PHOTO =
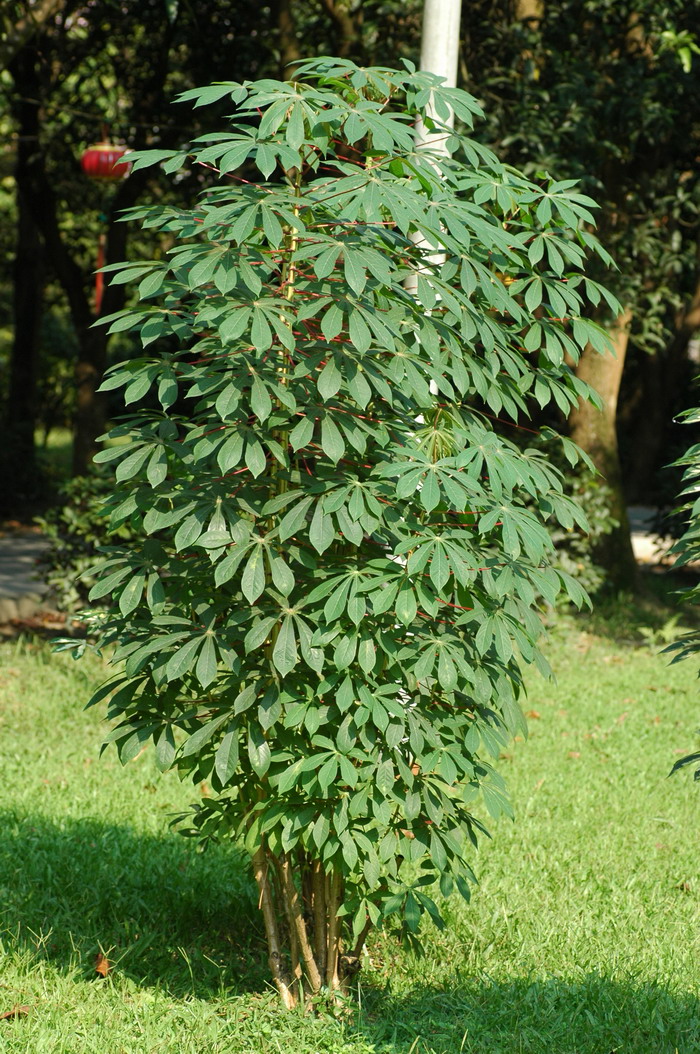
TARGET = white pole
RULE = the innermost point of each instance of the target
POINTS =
(440, 55)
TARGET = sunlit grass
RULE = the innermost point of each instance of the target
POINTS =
(582, 937)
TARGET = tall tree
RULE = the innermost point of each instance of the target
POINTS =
(19, 417)
(128, 58)
(599, 92)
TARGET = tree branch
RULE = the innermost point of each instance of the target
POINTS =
(347, 25)
(16, 34)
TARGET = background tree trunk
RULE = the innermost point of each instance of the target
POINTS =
(290, 52)
(28, 282)
(595, 432)
(347, 24)
(654, 393)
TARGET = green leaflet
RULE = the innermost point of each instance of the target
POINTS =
(284, 653)
(226, 757)
(329, 380)
(258, 751)
(197, 740)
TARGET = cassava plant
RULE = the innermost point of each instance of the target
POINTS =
(341, 560)
(686, 551)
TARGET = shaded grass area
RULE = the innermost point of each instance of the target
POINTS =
(582, 937)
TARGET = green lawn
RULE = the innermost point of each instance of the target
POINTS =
(583, 935)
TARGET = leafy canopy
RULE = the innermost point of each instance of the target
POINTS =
(341, 560)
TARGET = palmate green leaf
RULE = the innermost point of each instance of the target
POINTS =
(321, 533)
(165, 749)
(207, 662)
(406, 606)
(260, 399)
(130, 597)
(109, 583)
(332, 442)
(329, 380)
(293, 520)
(255, 458)
(282, 576)
(132, 465)
(430, 492)
(332, 322)
(446, 670)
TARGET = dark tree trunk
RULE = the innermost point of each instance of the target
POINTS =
(26, 69)
(595, 432)
(90, 408)
(658, 395)
(89, 422)
(347, 25)
(290, 52)
(28, 282)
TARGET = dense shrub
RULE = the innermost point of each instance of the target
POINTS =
(78, 526)
(339, 561)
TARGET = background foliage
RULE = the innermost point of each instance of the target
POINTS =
(605, 92)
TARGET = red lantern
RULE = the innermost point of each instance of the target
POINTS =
(104, 162)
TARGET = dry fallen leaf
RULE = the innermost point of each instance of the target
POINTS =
(102, 964)
(17, 1011)
(532, 714)
(574, 754)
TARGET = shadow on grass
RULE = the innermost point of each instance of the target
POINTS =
(164, 914)
(592, 1015)
(169, 917)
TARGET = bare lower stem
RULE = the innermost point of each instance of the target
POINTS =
(293, 940)
(294, 907)
(320, 922)
(275, 960)
(333, 960)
